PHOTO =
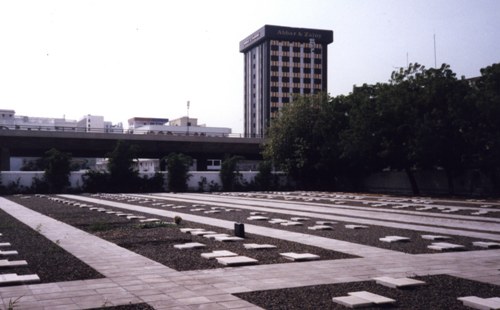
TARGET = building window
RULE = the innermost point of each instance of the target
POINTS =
(317, 71)
(296, 80)
(285, 100)
(307, 60)
(296, 59)
(285, 58)
(317, 61)
(307, 50)
(285, 48)
(296, 49)
(307, 70)
(274, 89)
(274, 58)
(307, 90)
(296, 90)
(285, 89)
(317, 81)
(285, 69)
(274, 68)
(274, 47)
(274, 79)
(274, 99)
(307, 81)
(285, 79)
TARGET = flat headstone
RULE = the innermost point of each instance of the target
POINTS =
(202, 232)
(299, 257)
(325, 223)
(435, 237)
(255, 246)
(424, 208)
(350, 226)
(392, 239)
(216, 254)
(450, 210)
(111, 212)
(481, 212)
(320, 227)
(291, 223)
(178, 207)
(197, 210)
(8, 253)
(352, 301)
(228, 238)
(399, 282)
(14, 263)
(189, 245)
(236, 261)
(374, 298)
(189, 230)
(135, 217)
(257, 213)
(488, 245)
(212, 212)
(444, 246)
(299, 219)
(480, 303)
(257, 218)
(123, 214)
(4, 244)
(213, 236)
(277, 221)
(151, 220)
(12, 278)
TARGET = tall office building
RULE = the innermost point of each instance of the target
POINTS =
(280, 63)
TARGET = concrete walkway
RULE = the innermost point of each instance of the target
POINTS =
(134, 278)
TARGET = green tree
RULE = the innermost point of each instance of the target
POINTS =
(304, 140)
(178, 171)
(229, 176)
(57, 170)
(123, 176)
(264, 179)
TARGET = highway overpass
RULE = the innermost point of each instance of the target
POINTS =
(31, 143)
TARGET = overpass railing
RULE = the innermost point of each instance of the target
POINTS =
(112, 130)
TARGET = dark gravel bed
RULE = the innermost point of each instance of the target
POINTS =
(142, 306)
(369, 236)
(440, 292)
(158, 243)
(45, 258)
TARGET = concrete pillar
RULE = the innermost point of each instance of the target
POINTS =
(4, 159)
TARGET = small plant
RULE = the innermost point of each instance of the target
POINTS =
(13, 303)
(202, 184)
(177, 220)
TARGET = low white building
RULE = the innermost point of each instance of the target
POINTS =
(88, 123)
(180, 127)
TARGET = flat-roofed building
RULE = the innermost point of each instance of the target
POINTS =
(280, 63)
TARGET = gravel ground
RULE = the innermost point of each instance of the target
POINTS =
(50, 262)
(157, 243)
(369, 236)
(441, 292)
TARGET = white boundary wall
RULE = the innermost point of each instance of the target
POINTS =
(25, 178)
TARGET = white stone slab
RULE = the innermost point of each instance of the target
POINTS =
(291, 223)
(202, 232)
(212, 212)
(299, 219)
(189, 245)
(397, 283)
(444, 246)
(4, 244)
(488, 245)
(197, 210)
(350, 226)
(255, 246)
(14, 263)
(213, 236)
(325, 223)
(216, 254)
(135, 217)
(111, 212)
(435, 237)
(189, 230)
(228, 238)
(151, 220)
(392, 239)
(5, 253)
(299, 257)
(236, 261)
(123, 214)
(352, 301)
(257, 218)
(178, 207)
(320, 227)
(12, 278)
(374, 298)
(480, 303)
(277, 221)
(257, 213)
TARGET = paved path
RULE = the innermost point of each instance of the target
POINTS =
(134, 278)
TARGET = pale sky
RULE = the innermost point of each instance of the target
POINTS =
(123, 59)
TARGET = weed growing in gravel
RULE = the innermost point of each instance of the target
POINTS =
(13, 303)
(177, 220)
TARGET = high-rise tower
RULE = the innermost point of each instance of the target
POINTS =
(280, 63)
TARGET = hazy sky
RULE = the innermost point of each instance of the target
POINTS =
(122, 59)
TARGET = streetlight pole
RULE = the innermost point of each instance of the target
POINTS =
(188, 123)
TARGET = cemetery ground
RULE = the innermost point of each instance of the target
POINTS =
(124, 251)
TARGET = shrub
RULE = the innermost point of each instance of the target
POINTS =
(177, 220)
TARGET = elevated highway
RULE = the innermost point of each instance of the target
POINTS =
(29, 143)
